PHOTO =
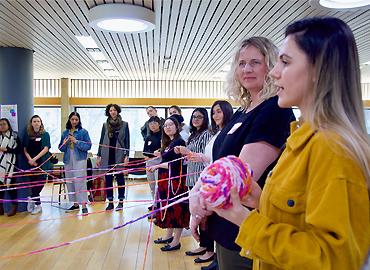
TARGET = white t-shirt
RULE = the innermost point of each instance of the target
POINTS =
(185, 133)
(209, 147)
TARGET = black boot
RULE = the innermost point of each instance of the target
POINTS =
(109, 207)
(1, 209)
(119, 206)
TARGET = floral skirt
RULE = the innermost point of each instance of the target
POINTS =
(178, 215)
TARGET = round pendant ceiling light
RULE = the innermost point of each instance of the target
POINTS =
(121, 18)
(341, 4)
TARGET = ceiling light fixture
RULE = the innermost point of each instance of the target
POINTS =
(119, 18)
(97, 55)
(93, 50)
(340, 4)
(87, 42)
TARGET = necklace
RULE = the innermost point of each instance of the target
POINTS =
(179, 184)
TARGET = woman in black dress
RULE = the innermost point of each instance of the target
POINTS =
(176, 217)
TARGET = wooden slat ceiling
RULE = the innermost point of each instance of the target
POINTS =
(197, 36)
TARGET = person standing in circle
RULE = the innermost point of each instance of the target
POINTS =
(151, 145)
(313, 212)
(114, 149)
(256, 134)
(36, 149)
(75, 143)
(9, 148)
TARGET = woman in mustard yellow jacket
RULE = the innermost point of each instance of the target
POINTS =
(313, 212)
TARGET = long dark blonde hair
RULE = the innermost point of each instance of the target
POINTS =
(30, 131)
(337, 106)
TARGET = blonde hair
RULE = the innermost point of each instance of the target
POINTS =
(336, 98)
(234, 89)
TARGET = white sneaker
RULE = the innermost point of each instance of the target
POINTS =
(36, 210)
(30, 205)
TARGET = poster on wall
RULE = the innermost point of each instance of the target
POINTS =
(10, 112)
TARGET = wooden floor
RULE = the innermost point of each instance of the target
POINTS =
(121, 249)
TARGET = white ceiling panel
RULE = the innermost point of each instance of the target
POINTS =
(193, 40)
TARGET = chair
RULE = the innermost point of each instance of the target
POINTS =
(139, 164)
(58, 179)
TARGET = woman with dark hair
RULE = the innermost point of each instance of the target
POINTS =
(151, 145)
(9, 148)
(174, 218)
(313, 212)
(36, 150)
(184, 128)
(221, 113)
(114, 150)
(75, 143)
(199, 137)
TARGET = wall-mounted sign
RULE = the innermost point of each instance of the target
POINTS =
(10, 112)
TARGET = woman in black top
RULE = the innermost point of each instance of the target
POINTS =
(36, 149)
(152, 144)
(176, 217)
(256, 133)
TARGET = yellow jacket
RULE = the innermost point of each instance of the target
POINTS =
(314, 209)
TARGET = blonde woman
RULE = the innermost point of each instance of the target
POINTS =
(314, 210)
(255, 133)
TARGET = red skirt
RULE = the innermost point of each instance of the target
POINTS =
(178, 215)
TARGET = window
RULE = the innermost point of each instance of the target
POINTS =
(92, 120)
(367, 119)
(51, 119)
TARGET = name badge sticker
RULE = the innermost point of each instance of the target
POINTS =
(38, 139)
(149, 143)
(234, 128)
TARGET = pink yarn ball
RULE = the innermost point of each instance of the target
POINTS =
(218, 178)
